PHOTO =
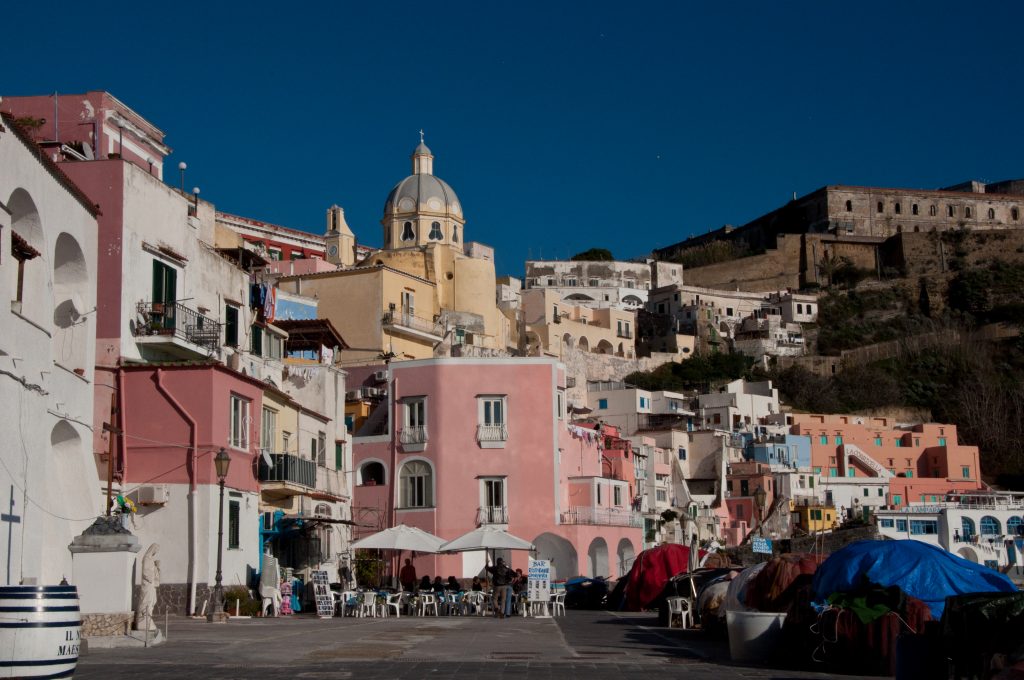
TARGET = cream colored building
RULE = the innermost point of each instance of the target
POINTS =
(554, 325)
(427, 289)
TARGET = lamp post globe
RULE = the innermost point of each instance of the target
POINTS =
(215, 609)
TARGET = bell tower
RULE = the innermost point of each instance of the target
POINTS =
(339, 241)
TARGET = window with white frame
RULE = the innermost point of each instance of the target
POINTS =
(268, 428)
(417, 482)
(320, 455)
(408, 303)
(560, 404)
(492, 418)
(414, 426)
(238, 436)
(617, 495)
(493, 509)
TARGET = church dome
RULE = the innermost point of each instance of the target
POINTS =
(422, 192)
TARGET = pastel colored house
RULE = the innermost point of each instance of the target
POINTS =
(461, 443)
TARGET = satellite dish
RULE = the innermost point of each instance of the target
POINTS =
(87, 151)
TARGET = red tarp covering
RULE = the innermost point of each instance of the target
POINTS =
(651, 571)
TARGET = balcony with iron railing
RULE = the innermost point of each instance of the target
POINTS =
(178, 329)
(491, 433)
(413, 434)
(287, 473)
(591, 516)
(410, 324)
(492, 514)
(624, 334)
(662, 421)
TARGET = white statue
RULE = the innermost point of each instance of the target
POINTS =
(147, 591)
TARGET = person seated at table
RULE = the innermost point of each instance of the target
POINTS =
(425, 584)
(477, 586)
(452, 585)
(438, 585)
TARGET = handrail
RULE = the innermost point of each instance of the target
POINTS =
(492, 514)
(491, 433)
(586, 515)
(409, 320)
(413, 434)
(288, 468)
(177, 320)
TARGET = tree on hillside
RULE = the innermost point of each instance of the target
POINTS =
(594, 255)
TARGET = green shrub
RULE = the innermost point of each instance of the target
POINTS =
(247, 604)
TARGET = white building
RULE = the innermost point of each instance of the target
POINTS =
(986, 528)
(631, 408)
(739, 405)
(602, 284)
(49, 489)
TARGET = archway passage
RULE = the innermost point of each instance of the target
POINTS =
(70, 278)
(567, 341)
(604, 347)
(564, 562)
(584, 344)
(625, 555)
(597, 558)
(371, 473)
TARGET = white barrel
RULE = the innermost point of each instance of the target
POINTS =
(40, 631)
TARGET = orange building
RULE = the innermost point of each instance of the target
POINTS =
(922, 462)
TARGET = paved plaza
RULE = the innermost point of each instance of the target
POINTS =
(583, 644)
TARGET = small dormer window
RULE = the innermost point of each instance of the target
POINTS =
(408, 234)
(435, 232)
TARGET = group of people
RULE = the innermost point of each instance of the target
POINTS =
(508, 583)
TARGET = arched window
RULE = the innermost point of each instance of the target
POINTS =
(899, 228)
(435, 232)
(967, 527)
(880, 206)
(991, 214)
(916, 228)
(989, 526)
(455, 233)
(932, 211)
(1014, 214)
(417, 480)
(1015, 526)
(849, 206)
(951, 210)
(913, 208)
(968, 212)
(408, 233)
(322, 510)
(371, 473)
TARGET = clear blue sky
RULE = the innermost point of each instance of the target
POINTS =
(562, 126)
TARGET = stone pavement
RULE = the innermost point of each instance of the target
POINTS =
(590, 645)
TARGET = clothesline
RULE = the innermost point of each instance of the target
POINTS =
(587, 435)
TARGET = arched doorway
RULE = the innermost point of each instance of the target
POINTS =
(584, 344)
(568, 342)
(604, 347)
(625, 555)
(33, 293)
(561, 553)
(597, 558)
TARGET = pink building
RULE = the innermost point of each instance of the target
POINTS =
(486, 441)
(922, 462)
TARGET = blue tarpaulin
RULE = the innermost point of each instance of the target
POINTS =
(920, 570)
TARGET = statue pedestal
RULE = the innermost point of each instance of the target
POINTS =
(102, 559)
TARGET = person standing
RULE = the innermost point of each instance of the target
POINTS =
(502, 579)
(407, 576)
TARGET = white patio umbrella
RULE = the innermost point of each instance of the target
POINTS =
(486, 538)
(401, 537)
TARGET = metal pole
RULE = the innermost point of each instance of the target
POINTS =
(217, 600)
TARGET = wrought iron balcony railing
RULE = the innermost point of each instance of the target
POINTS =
(409, 320)
(602, 517)
(491, 433)
(492, 514)
(413, 434)
(176, 320)
(288, 468)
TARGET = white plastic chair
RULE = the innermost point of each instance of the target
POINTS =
(368, 604)
(349, 603)
(558, 603)
(394, 602)
(428, 601)
(678, 606)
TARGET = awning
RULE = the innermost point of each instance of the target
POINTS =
(310, 334)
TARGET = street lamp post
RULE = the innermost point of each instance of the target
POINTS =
(759, 500)
(215, 611)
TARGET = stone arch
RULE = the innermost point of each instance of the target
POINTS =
(26, 223)
(568, 342)
(597, 558)
(624, 555)
(71, 328)
(968, 554)
(604, 347)
(564, 562)
(584, 344)
(632, 301)
(372, 472)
